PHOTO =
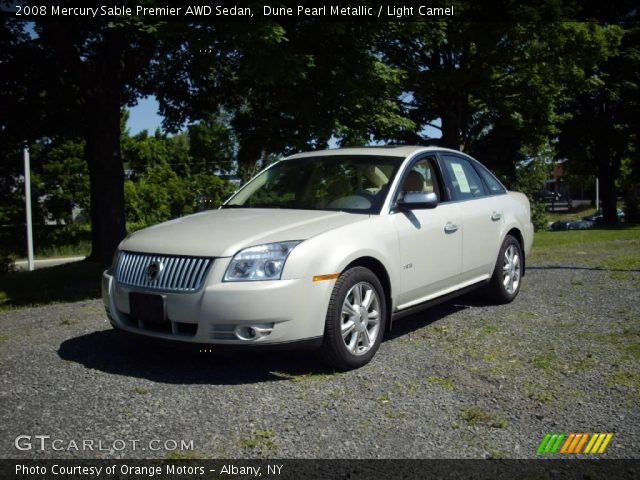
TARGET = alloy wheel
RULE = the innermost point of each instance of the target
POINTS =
(360, 318)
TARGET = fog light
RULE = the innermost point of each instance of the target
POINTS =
(245, 333)
(253, 332)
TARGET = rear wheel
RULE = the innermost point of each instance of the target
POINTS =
(355, 320)
(505, 282)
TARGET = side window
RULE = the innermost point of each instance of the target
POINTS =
(465, 181)
(421, 178)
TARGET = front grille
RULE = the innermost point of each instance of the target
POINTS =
(173, 328)
(175, 273)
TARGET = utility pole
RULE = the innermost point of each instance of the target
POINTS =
(27, 201)
(597, 194)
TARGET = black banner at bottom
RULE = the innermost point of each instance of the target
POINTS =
(318, 469)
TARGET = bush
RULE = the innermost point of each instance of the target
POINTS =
(46, 238)
(539, 216)
(7, 265)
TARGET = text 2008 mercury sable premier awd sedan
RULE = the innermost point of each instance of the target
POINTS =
(324, 250)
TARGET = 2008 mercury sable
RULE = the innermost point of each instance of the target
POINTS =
(324, 249)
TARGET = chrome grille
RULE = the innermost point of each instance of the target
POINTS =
(178, 274)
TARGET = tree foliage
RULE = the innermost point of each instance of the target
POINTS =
(490, 88)
(602, 125)
(164, 178)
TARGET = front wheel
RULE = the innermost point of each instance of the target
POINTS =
(355, 320)
(505, 282)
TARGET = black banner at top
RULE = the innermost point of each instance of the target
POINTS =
(287, 11)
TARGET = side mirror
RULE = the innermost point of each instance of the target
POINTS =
(417, 200)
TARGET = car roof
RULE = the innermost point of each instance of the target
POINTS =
(389, 151)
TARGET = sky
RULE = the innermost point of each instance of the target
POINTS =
(144, 116)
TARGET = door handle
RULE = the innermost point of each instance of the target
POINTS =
(450, 227)
(495, 216)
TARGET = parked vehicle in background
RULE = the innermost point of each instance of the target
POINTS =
(324, 250)
(546, 196)
(597, 216)
(554, 201)
(572, 225)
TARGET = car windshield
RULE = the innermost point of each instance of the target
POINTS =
(352, 183)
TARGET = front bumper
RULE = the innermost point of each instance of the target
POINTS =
(283, 311)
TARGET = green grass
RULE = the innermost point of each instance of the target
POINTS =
(139, 390)
(497, 455)
(625, 262)
(82, 249)
(476, 416)
(624, 379)
(551, 240)
(538, 393)
(263, 440)
(64, 283)
(393, 414)
(607, 248)
(384, 398)
(444, 383)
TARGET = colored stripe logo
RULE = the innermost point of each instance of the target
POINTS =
(571, 443)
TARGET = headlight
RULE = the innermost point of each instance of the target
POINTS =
(262, 262)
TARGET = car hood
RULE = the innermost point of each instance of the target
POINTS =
(222, 233)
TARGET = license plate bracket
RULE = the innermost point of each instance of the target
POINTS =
(148, 308)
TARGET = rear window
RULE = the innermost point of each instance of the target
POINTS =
(492, 183)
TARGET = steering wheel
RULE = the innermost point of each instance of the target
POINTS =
(366, 194)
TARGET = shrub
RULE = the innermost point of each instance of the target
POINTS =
(7, 265)
(539, 216)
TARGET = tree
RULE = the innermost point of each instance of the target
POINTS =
(491, 86)
(212, 146)
(602, 123)
(71, 78)
(283, 86)
(65, 181)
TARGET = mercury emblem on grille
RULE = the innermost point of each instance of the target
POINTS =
(153, 271)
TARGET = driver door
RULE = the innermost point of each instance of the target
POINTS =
(430, 240)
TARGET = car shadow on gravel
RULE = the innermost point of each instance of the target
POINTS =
(121, 353)
(410, 323)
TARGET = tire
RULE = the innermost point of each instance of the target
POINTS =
(507, 274)
(346, 313)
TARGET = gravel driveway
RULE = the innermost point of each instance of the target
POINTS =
(460, 380)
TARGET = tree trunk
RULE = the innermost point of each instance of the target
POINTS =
(102, 151)
(450, 133)
(106, 179)
(607, 180)
(453, 120)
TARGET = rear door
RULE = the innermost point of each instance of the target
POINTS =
(430, 240)
(481, 217)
